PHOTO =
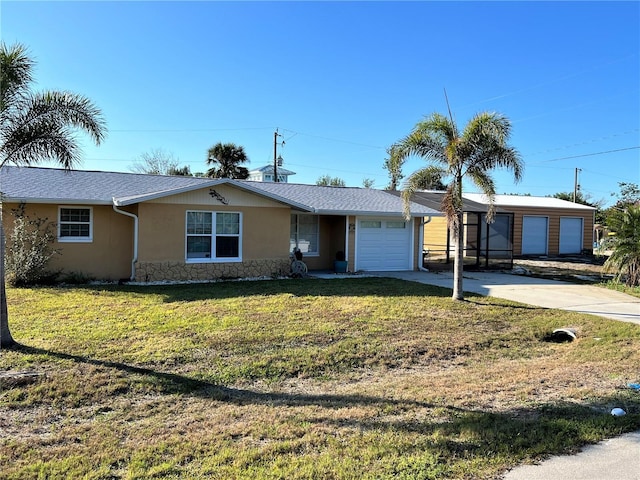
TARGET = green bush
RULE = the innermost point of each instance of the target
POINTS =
(29, 249)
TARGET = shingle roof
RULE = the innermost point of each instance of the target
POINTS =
(527, 201)
(433, 199)
(345, 200)
(50, 185)
(269, 169)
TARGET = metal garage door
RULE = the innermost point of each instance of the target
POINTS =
(535, 235)
(571, 232)
(383, 244)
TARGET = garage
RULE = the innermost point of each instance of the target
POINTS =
(535, 235)
(383, 244)
(571, 229)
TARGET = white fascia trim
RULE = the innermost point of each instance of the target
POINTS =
(375, 213)
(55, 201)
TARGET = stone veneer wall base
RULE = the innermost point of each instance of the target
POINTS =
(182, 272)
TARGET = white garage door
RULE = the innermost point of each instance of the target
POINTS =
(535, 234)
(570, 235)
(383, 244)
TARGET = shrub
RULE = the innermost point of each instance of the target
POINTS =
(29, 249)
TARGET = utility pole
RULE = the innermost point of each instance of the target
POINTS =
(576, 185)
(275, 154)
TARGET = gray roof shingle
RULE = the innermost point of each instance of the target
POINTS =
(50, 185)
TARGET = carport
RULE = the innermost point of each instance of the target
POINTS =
(486, 245)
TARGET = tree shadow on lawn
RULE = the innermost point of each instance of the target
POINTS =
(521, 433)
(172, 383)
(355, 287)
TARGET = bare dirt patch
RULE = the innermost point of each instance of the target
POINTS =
(580, 268)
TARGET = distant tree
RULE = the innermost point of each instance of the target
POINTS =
(393, 164)
(471, 153)
(329, 181)
(180, 172)
(429, 178)
(625, 258)
(629, 195)
(159, 162)
(368, 182)
(37, 126)
(583, 200)
(226, 160)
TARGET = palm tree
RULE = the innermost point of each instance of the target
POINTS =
(394, 165)
(226, 159)
(428, 178)
(470, 154)
(625, 259)
(35, 127)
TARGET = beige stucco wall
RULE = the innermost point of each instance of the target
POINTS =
(162, 236)
(107, 257)
(162, 231)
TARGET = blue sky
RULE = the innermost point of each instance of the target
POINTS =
(342, 81)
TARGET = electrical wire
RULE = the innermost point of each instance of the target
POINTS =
(589, 154)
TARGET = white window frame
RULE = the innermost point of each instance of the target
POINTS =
(268, 177)
(214, 235)
(75, 239)
(296, 240)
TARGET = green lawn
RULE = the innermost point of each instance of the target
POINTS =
(319, 379)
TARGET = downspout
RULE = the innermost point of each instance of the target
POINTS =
(135, 238)
(421, 242)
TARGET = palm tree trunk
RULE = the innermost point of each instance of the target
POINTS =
(6, 340)
(458, 260)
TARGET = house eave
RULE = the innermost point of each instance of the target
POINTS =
(55, 201)
(377, 213)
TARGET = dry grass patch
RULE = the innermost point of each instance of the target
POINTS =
(359, 378)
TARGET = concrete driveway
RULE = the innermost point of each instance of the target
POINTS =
(536, 291)
(616, 458)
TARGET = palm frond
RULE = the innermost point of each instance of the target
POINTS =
(70, 109)
(428, 178)
(40, 126)
(15, 74)
(624, 262)
(485, 183)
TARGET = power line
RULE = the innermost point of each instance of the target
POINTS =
(377, 147)
(589, 154)
(551, 81)
(185, 130)
(585, 142)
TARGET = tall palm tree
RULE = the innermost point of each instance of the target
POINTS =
(471, 154)
(35, 127)
(625, 259)
(394, 165)
(226, 159)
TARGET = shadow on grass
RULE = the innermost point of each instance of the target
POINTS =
(515, 435)
(357, 286)
(172, 383)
